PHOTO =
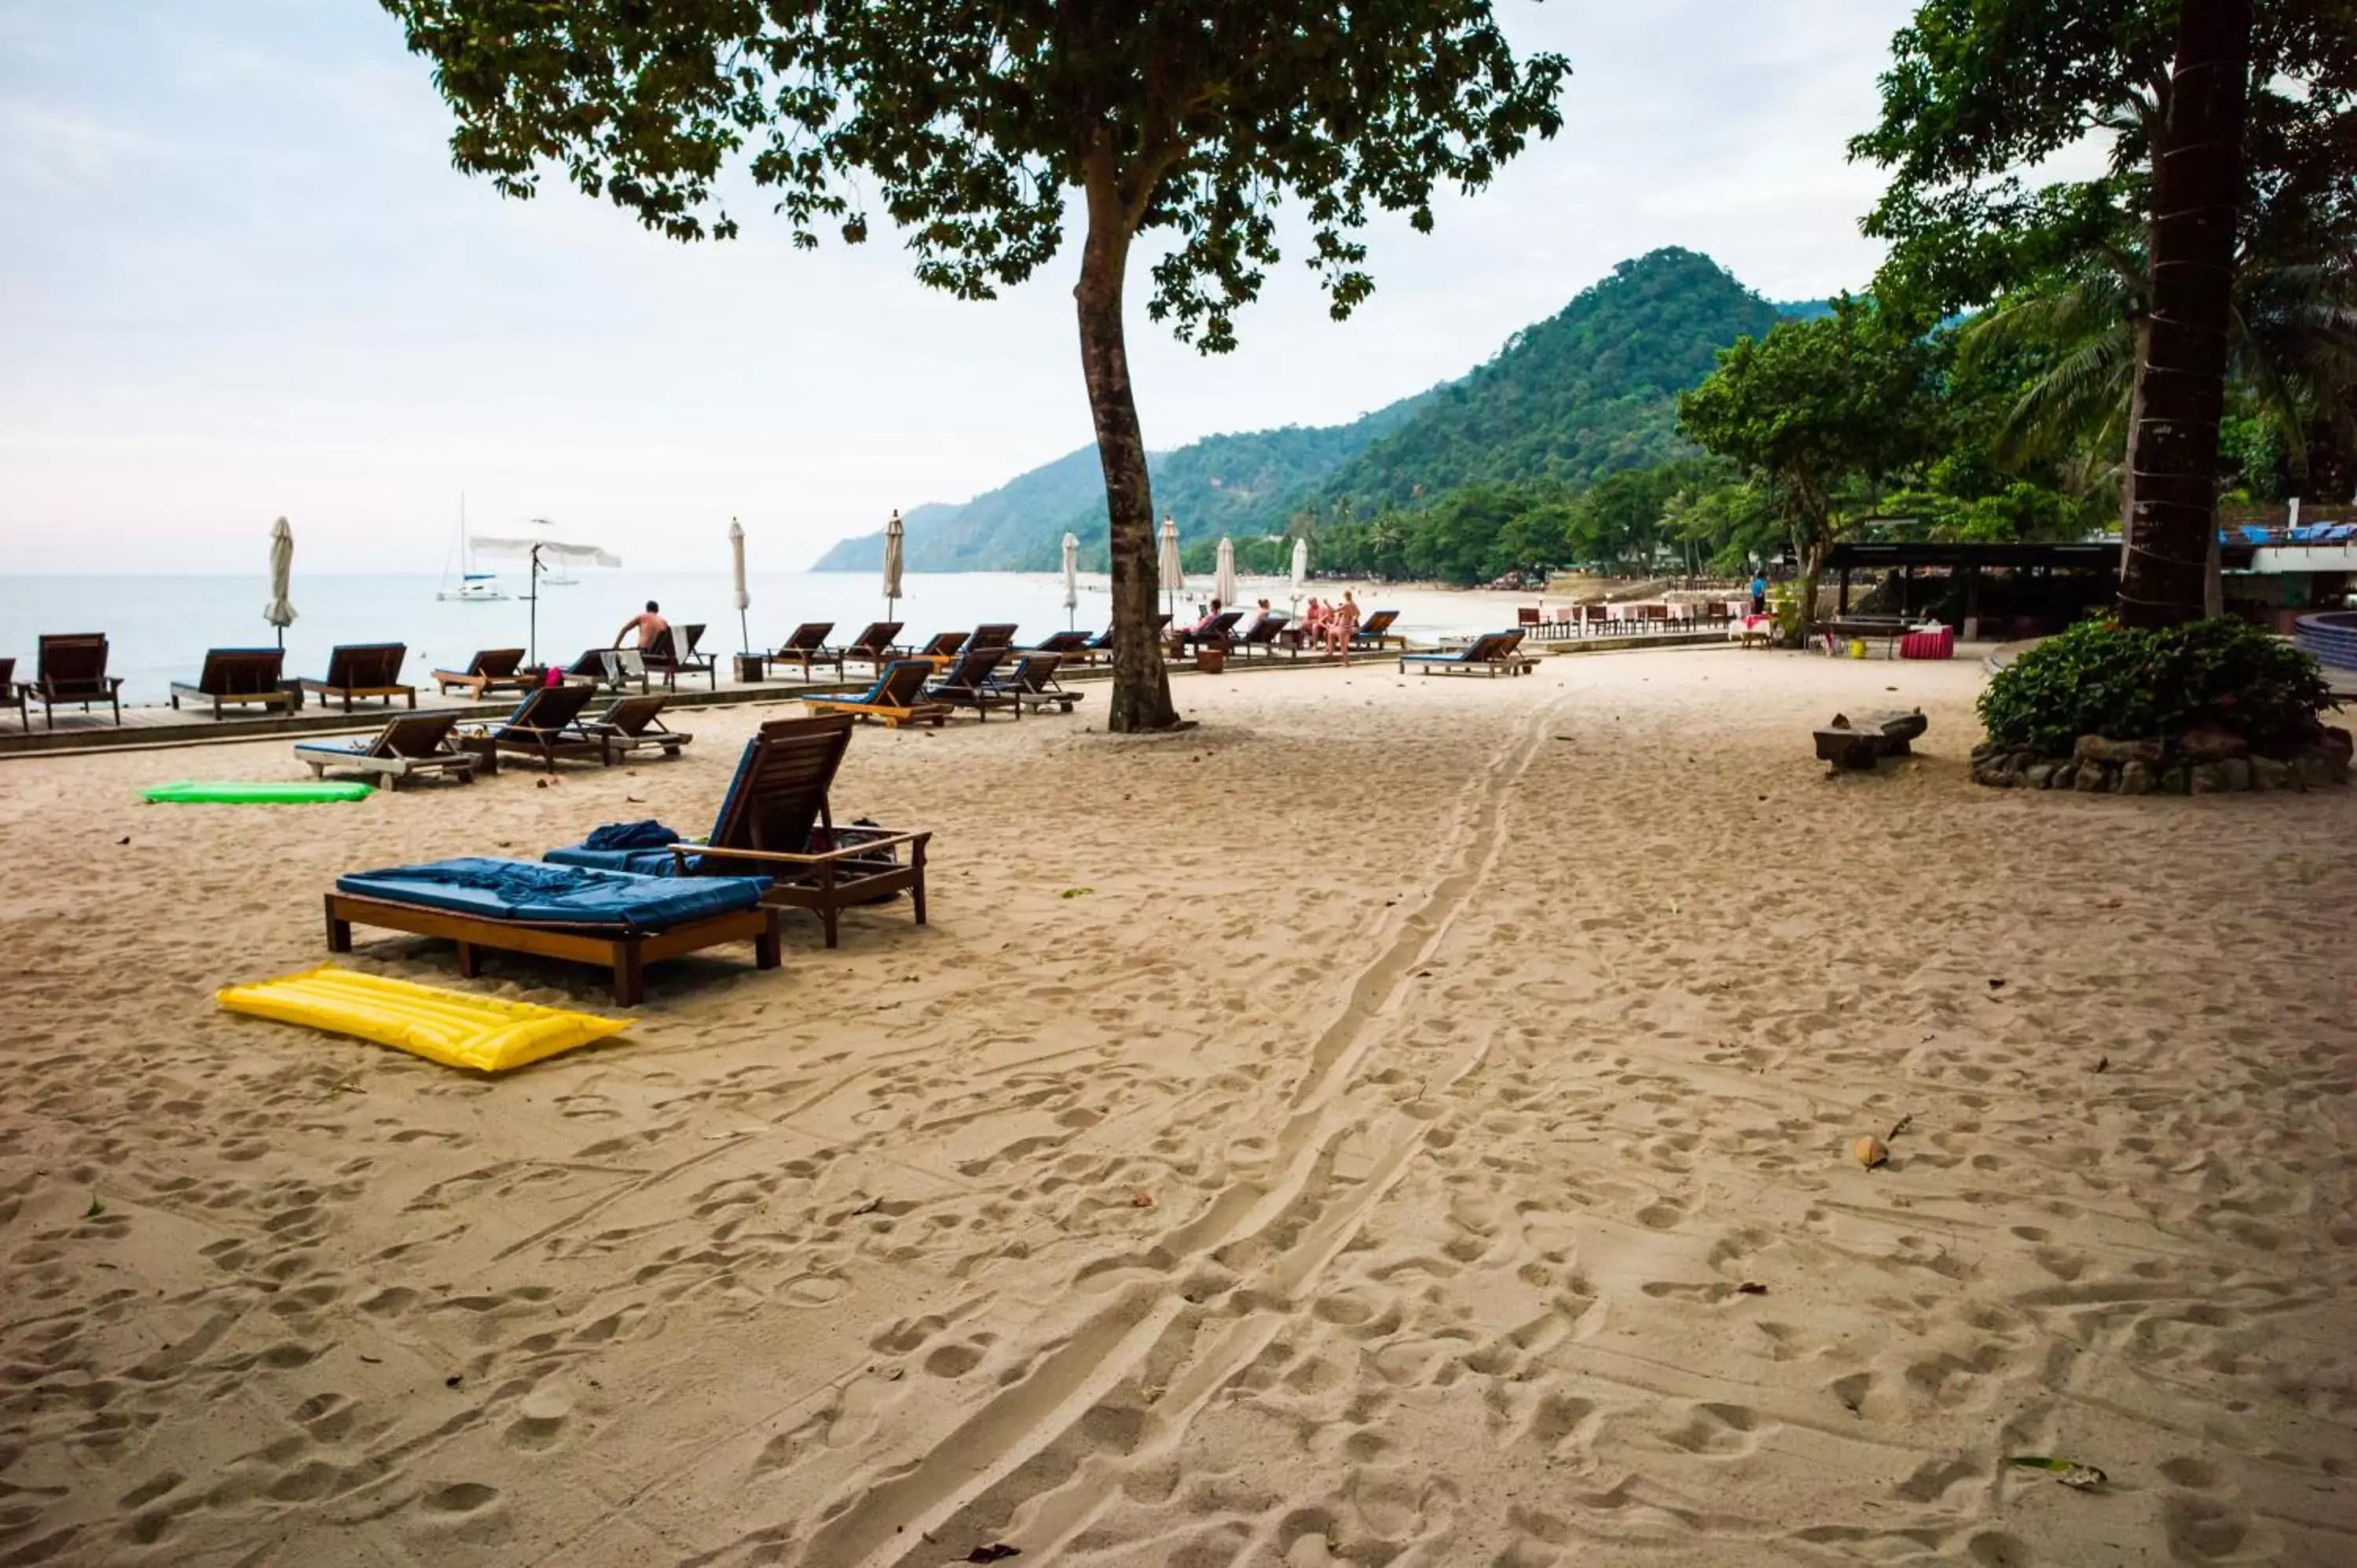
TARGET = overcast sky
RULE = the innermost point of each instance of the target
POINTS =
(241, 279)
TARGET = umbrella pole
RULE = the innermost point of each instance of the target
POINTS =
(532, 598)
(744, 633)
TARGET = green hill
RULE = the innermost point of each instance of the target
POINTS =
(1221, 484)
(1588, 392)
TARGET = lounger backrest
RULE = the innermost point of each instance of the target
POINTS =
(73, 661)
(973, 666)
(1265, 628)
(1492, 645)
(993, 634)
(497, 662)
(1378, 623)
(876, 637)
(549, 708)
(354, 665)
(241, 672)
(657, 650)
(809, 637)
(692, 633)
(1034, 670)
(414, 734)
(901, 685)
(944, 644)
(591, 662)
(632, 715)
(780, 792)
(1063, 643)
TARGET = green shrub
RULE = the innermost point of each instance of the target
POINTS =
(2100, 678)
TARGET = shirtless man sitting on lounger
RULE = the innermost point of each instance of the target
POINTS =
(648, 624)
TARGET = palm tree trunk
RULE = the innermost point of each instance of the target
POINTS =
(1141, 689)
(2173, 481)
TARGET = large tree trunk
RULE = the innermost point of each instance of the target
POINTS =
(1141, 689)
(2173, 481)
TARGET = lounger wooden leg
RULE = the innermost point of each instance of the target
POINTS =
(827, 918)
(470, 962)
(766, 950)
(340, 932)
(916, 893)
(630, 975)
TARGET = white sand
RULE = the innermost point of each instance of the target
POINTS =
(1367, 1168)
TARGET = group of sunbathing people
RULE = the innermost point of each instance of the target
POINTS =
(1327, 625)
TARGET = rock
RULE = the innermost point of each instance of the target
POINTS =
(2337, 739)
(1984, 750)
(2136, 778)
(2208, 743)
(2310, 771)
(2022, 759)
(2094, 777)
(2095, 748)
(1857, 743)
(2236, 772)
(2177, 780)
(2266, 773)
(2063, 777)
(2037, 776)
(1993, 772)
(2206, 779)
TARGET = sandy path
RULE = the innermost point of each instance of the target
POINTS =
(1469, 1044)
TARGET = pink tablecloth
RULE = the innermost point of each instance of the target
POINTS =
(1940, 644)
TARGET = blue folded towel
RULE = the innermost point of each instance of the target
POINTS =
(648, 834)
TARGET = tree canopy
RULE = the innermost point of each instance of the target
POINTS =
(971, 120)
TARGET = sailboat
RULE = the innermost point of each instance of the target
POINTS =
(473, 586)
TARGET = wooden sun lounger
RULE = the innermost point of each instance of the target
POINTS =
(71, 669)
(672, 653)
(1376, 632)
(1032, 683)
(364, 670)
(491, 670)
(409, 745)
(238, 678)
(943, 647)
(634, 724)
(781, 797)
(1265, 634)
(968, 683)
(547, 725)
(873, 646)
(807, 647)
(1492, 653)
(626, 953)
(993, 634)
(897, 698)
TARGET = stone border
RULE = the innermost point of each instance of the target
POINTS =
(2202, 763)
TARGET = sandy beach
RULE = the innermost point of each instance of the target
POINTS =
(1401, 1121)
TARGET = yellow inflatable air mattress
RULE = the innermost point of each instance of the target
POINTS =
(448, 1026)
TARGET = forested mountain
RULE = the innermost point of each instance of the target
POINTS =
(1221, 484)
(1588, 392)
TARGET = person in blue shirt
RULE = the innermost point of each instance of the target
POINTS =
(1759, 592)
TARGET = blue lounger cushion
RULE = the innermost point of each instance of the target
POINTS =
(339, 748)
(534, 892)
(633, 862)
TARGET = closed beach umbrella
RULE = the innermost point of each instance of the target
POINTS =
(1173, 579)
(1300, 568)
(893, 550)
(1223, 582)
(1071, 580)
(280, 611)
(744, 599)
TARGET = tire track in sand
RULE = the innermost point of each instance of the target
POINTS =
(888, 1519)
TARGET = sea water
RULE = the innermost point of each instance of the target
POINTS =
(159, 626)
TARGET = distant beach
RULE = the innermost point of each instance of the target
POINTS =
(159, 626)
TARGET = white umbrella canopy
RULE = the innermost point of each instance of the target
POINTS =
(1167, 567)
(895, 548)
(1300, 568)
(736, 568)
(280, 611)
(1071, 579)
(1224, 581)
